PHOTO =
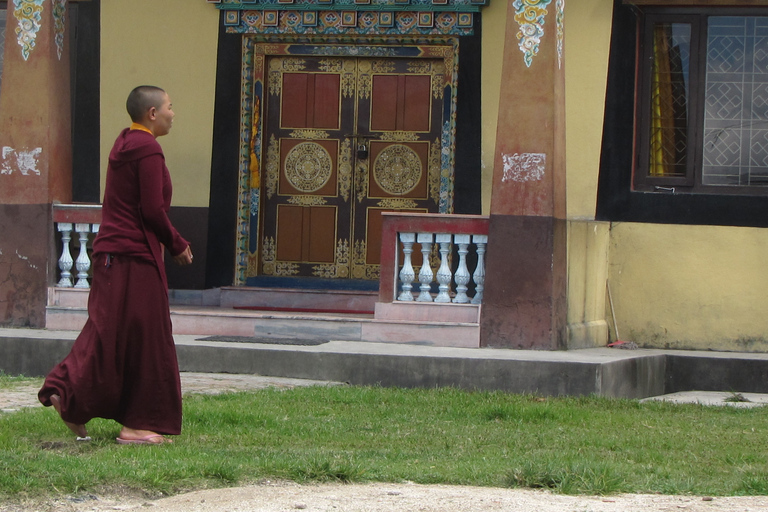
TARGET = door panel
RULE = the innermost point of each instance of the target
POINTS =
(347, 140)
(400, 102)
(308, 167)
(398, 170)
(402, 118)
(310, 101)
(303, 233)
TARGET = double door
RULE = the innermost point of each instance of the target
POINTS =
(346, 139)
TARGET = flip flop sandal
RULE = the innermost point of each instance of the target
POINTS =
(144, 440)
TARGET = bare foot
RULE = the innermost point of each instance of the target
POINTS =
(133, 436)
(79, 430)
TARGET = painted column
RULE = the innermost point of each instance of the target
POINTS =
(35, 153)
(525, 297)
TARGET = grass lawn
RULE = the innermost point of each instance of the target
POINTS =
(586, 445)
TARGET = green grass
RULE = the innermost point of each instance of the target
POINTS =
(587, 445)
(8, 381)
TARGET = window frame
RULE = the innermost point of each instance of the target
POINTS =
(691, 183)
(617, 199)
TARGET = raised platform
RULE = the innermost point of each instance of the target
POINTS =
(603, 371)
(296, 314)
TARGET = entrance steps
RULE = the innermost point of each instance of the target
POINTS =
(286, 314)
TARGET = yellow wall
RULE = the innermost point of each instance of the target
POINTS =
(587, 42)
(494, 17)
(692, 287)
(586, 48)
(171, 44)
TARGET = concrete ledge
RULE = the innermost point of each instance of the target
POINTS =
(717, 371)
(33, 355)
(603, 371)
(425, 333)
(543, 377)
(238, 296)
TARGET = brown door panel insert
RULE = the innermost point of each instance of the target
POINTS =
(310, 100)
(306, 233)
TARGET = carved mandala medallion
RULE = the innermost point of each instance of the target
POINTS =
(308, 166)
(397, 169)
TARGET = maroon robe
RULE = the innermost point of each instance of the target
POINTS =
(123, 364)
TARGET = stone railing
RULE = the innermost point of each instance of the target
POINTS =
(84, 221)
(458, 239)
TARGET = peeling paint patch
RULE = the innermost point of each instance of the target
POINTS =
(524, 167)
(23, 161)
(26, 259)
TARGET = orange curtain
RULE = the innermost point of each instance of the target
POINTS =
(662, 150)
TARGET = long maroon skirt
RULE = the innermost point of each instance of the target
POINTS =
(123, 364)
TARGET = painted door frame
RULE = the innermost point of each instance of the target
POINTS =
(255, 51)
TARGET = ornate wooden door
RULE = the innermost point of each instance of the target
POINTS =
(346, 139)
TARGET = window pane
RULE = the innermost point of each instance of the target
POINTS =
(669, 99)
(735, 150)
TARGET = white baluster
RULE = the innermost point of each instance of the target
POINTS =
(65, 261)
(406, 273)
(425, 274)
(83, 262)
(479, 275)
(462, 273)
(444, 272)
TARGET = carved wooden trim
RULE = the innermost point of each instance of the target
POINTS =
(699, 3)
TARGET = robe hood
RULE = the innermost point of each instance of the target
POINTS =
(129, 149)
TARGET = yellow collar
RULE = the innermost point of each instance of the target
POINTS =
(137, 126)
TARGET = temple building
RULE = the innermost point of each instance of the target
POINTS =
(549, 173)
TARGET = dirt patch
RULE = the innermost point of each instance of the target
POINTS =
(289, 496)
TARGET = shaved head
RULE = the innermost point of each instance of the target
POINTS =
(143, 98)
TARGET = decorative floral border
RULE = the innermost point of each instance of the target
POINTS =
(530, 15)
(59, 24)
(349, 23)
(436, 5)
(560, 22)
(29, 15)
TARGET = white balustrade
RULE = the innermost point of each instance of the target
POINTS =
(479, 276)
(406, 274)
(425, 273)
(445, 275)
(462, 273)
(444, 272)
(83, 262)
(65, 260)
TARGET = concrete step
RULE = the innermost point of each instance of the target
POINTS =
(602, 371)
(445, 325)
(195, 320)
